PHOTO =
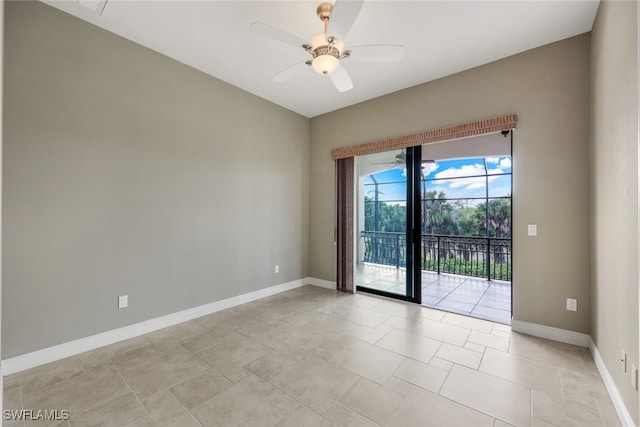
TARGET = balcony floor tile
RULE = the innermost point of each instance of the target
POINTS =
(471, 296)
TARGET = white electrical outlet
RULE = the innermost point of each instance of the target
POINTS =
(634, 376)
(532, 230)
(276, 269)
(572, 304)
(123, 301)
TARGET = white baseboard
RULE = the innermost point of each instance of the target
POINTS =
(618, 403)
(551, 333)
(72, 348)
(320, 282)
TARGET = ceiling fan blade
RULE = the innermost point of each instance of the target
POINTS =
(343, 16)
(341, 79)
(377, 53)
(290, 72)
(276, 34)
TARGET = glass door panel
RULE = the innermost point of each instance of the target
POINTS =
(384, 263)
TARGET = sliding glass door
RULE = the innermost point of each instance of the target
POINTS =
(388, 224)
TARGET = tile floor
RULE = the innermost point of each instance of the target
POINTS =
(312, 357)
(483, 299)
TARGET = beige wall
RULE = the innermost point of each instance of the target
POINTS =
(126, 172)
(548, 88)
(614, 182)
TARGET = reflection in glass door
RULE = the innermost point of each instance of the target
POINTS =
(386, 224)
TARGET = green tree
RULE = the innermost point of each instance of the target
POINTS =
(499, 221)
(438, 214)
(391, 218)
(499, 218)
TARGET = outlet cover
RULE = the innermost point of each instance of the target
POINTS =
(123, 301)
(532, 230)
(572, 304)
(276, 269)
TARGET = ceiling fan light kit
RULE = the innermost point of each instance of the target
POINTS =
(325, 64)
(327, 53)
(328, 48)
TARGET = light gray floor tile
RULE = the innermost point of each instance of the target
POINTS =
(608, 412)
(81, 393)
(398, 309)
(499, 398)
(51, 373)
(550, 352)
(398, 385)
(365, 317)
(421, 374)
(115, 412)
(202, 342)
(341, 416)
(164, 418)
(315, 382)
(252, 402)
(431, 314)
(372, 401)
(459, 355)
(468, 322)
(424, 408)
(323, 347)
(561, 412)
(489, 340)
(303, 417)
(443, 332)
(475, 347)
(12, 396)
(366, 334)
(285, 338)
(174, 334)
(158, 369)
(581, 387)
(369, 361)
(528, 372)
(410, 345)
(230, 355)
(269, 366)
(103, 355)
(199, 389)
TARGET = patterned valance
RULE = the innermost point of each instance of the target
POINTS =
(481, 127)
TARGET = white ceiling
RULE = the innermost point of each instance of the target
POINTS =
(440, 37)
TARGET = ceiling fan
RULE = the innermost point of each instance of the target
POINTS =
(327, 49)
(400, 162)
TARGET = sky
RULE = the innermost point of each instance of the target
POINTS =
(466, 182)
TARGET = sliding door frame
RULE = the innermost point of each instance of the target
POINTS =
(413, 276)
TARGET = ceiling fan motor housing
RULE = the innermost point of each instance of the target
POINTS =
(324, 11)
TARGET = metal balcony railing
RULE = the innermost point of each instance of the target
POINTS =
(488, 257)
